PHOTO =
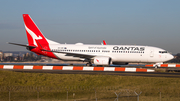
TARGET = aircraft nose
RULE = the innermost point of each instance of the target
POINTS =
(170, 57)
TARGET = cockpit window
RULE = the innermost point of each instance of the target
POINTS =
(163, 51)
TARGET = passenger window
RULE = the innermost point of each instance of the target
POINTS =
(163, 51)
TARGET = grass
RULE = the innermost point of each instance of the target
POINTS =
(54, 86)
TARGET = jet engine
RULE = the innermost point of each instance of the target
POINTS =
(102, 60)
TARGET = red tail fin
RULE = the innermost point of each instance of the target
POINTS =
(34, 35)
(33, 32)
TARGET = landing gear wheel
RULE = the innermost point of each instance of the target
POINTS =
(156, 66)
(88, 64)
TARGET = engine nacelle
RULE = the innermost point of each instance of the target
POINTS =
(102, 60)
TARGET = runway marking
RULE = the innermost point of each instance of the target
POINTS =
(150, 70)
(74, 68)
(109, 68)
(1, 66)
(98, 68)
(67, 68)
(28, 67)
(172, 65)
(119, 69)
(142, 70)
(163, 65)
(88, 68)
(37, 67)
(18, 67)
(78, 68)
(8, 67)
(177, 65)
(57, 67)
(130, 69)
(47, 68)
(151, 65)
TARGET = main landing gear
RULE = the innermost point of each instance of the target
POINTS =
(156, 66)
(89, 64)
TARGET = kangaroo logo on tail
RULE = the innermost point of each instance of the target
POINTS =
(33, 35)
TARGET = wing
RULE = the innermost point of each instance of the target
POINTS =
(75, 54)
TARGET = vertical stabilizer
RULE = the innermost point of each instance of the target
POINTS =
(36, 38)
(33, 32)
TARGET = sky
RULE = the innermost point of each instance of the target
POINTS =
(128, 22)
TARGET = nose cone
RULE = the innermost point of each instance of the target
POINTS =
(170, 57)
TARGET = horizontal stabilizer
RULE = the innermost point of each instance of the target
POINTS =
(21, 45)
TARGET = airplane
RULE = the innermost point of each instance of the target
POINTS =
(99, 55)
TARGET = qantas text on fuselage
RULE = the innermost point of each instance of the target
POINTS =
(92, 54)
(129, 48)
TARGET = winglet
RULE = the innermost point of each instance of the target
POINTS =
(104, 42)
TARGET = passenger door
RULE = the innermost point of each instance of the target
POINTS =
(151, 53)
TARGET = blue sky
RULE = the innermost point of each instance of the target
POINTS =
(135, 22)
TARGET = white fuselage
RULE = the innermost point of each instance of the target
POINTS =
(118, 53)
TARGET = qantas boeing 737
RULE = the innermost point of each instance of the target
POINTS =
(92, 54)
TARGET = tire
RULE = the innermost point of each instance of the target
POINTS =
(87, 64)
(156, 66)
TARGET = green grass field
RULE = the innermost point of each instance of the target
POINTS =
(54, 87)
